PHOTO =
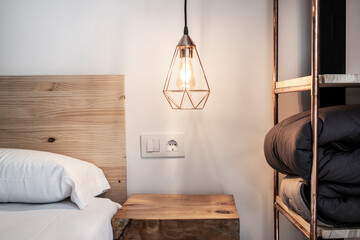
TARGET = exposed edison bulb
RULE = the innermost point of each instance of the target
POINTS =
(186, 79)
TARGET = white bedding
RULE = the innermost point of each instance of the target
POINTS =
(57, 221)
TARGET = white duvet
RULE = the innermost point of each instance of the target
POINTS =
(57, 221)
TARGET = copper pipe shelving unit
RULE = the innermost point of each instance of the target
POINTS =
(308, 83)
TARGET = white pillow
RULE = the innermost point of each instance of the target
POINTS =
(41, 177)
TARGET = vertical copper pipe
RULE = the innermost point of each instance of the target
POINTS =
(275, 60)
(275, 107)
(315, 63)
(276, 212)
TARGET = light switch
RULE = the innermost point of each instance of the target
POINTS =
(149, 145)
(162, 145)
(156, 143)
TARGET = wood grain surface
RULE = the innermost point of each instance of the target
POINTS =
(158, 216)
(79, 116)
(325, 81)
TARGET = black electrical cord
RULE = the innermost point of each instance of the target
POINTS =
(186, 30)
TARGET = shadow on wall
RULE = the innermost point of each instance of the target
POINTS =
(304, 29)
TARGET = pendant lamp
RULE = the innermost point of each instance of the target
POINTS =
(186, 86)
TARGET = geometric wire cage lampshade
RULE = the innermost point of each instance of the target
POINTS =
(186, 86)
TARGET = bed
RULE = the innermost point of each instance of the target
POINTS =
(57, 221)
(78, 116)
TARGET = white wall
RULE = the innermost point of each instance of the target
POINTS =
(294, 61)
(224, 142)
(60, 37)
(294, 52)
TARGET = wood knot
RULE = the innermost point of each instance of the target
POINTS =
(50, 140)
(53, 87)
(223, 211)
(119, 181)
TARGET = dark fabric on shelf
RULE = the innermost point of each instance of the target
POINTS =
(288, 145)
(288, 149)
(338, 204)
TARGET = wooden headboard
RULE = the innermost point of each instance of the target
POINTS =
(77, 116)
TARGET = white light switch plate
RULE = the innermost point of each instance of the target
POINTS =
(171, 145)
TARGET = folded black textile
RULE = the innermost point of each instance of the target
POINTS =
(338, 204)
(288, 145)
(288, 149)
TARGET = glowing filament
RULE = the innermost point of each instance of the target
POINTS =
(186, 79)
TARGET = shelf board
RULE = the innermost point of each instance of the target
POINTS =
(294, 85)
(339, 78)
(326, 80)
(324, 232)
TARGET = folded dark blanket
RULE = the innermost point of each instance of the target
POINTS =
(288, 145)
(338, 204)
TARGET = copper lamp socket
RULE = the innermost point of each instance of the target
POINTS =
(186, 52)
(186, 46)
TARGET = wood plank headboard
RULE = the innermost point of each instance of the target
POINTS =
(77, 116)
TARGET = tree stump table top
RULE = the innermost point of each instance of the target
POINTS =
(164, 216)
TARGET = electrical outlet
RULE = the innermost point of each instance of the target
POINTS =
(162, 145)
(172, 146)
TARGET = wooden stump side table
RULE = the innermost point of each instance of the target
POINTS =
(175, 217)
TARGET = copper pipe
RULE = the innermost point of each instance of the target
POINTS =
(276, 59)
(276, 212)
(315, 65)
(275, 106)
(293, 221)
(276, 224)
